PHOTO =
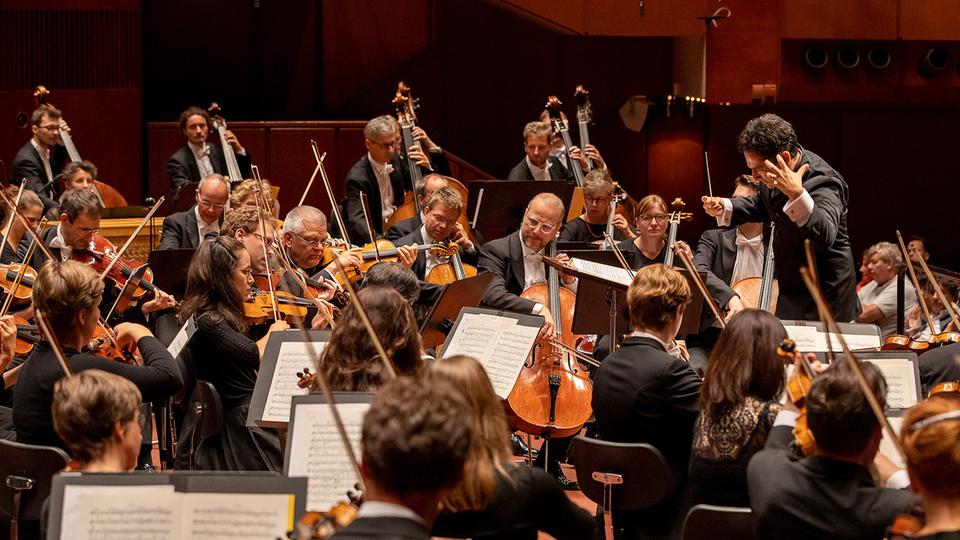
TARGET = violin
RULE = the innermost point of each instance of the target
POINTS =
(370, 254)
(28, 335)
(453, 269)
(104, 343)
(948, 387)
(797, 388)
(101, 252)
(24, 290)
(552, 395)
(258, 308)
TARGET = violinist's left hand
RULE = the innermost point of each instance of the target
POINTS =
(161, 300)
(8, 340)
(407, 255)
(349, 259)
(421, 137)
(128, 334)
(565, 259)
(460, 237)
(233, 141)
(320, 320)
(416, 154)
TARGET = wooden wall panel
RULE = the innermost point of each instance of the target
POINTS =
(292, 163)
(623, 18)
(742, 51)
(848, 19)
(568, 15)
(930, 19)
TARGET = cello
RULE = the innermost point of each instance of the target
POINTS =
(552, 395)
(108, 196)
(761, 292)
(675, 217)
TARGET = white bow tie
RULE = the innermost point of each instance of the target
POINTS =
(387, 169)
(754, 243)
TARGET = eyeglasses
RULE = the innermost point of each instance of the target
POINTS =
(208, 204)
(385, 146)
(535, 224)
(659, 217)
(598, 200)
(309, 241)
(51, 127)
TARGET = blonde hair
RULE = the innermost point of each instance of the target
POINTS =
(647, 203)
(933, 449)
(597, 181)
(654, 296)
(448, 197)
(64, 288)
(87, 406)
(489, 453)
(242, 195)
(244, 218)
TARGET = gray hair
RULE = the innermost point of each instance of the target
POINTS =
(380, 125)
(889, 253)
(75, 166)
(213, 178)
(293, 222)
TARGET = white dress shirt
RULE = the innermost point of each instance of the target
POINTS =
(798, 210)
(432, 258)
(203, 228)
(382, 172)
(371, 509)
(539, 173)
(44, 157)
(749, 262)
(59, 243)
(202, 156)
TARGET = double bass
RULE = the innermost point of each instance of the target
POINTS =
(109, 197)
(552, 395)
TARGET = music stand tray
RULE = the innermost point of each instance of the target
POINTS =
(504, 201)
(456, 295)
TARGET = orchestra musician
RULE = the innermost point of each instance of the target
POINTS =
(383, 176)
(247, 224)
(395, 276)
(866, 276)
(16, 245)
(650, 245)
(414, 443)
(830, 493)
(496, 497)
(218, 282)
(807, 199)
(68, 294)
(641, 393)
(423, 190)
(598, 191)
(304, 237)
(202, 220)
(915, 324)
(917, 248)
(79, 175)
(879, 297)
(558, 150)
(197, 158)
(43, 157)
(538, 164)
(243, 193)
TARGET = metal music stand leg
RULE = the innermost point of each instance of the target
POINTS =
(612, 302)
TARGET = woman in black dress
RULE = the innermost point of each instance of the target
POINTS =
(738, 402)
(497, 499)
(651, 222)
(218, 281)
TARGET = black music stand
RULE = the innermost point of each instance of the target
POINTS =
(125, 212)
(183, 197)
(461, 293)
(567, 247)
(170, 269)
(503, 202)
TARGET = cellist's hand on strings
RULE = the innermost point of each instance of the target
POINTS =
(8, 340)
(782, 177)
(232, 141)
(407, 255)
(421, 137)
(565, 260)
(161, 300)
(548, 330)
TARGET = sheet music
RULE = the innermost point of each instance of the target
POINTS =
(856, 342)
(236, 515)
(811, 339)
(120, 512)
(500, 344)
(887, 447)
(604, 271)
(293, 357)
(183, 337)
(317, 453)
(901, 381)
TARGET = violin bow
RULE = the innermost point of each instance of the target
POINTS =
(8, 301)
(366, 323)
(939, 292)
(52, 340)
(334, 207)
(6, 229)
(19, 215)
(701, 285)
(366, 218)
(313, 177)
(136, 232)
(257, 189)
(916, 283)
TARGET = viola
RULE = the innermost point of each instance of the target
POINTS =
(28, 335)
(104, 343)
(948, 387)
(552, 396)
(258, 309)
(797, 388)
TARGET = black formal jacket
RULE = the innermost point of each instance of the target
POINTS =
(405, 227)
(716, 254)
(361, 179)
(642, 394)
(28, 164)
(180, 230)
(817, 497)
(182, 166)
(504, 257)
(557, 171)
(158, 378)
(826, 228)
(385, 528)
(938, 366)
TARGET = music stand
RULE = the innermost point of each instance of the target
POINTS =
(170, 269)
(503, 202)
(568, 246)
(463, 292)
(124, 212)
(183, 197)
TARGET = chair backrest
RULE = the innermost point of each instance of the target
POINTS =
(211, 419)
(27, 464)
(646, 476)
(189, 374)
(706, 521)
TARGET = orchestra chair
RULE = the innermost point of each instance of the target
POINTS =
(204, 419)
(706, 521)
(26, 471)
(621, 476)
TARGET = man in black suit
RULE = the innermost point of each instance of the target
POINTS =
(303, 236)
(383, 176)
(424, 190)
(414, 443)
(42, 158)
(643, 394)
(806, 199)
(538, 164)
(440, 225)
(198, 159)
(829, 494)
(188, 228)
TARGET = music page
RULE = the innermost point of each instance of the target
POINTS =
(293, 357)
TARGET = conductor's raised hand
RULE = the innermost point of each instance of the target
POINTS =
(781, 176)
(713, 206)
